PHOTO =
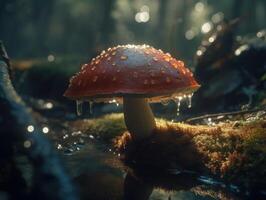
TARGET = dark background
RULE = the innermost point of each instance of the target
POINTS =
(49, 40)
(37, 28)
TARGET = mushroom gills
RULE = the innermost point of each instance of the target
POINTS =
(79, 107)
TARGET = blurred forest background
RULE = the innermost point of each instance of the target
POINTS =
(222, 42)
(36, 28)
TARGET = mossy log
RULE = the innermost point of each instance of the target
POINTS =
(234, 152)
(236, 155)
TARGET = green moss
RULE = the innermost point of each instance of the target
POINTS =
(254, 152)
(108, 127)
(256, 142)
(105, 128)
(235, 153)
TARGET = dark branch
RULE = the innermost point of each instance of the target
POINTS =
(50, 180)
(225, 114)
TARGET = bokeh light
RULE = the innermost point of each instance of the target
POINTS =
(212, 39)
(143, 16)
(49, 105)
(27, 144)
(30, 128)
(241, 49)
(217, 17)
(199, 7)
(45, 130)
(190, 34)
(145, 8)
(199, 53)
(206, 27)
(51, 58)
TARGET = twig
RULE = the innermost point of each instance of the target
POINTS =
(242, 112)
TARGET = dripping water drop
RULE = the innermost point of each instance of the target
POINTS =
(178, 103)
(91, 104)
(79, 105)
(190, 100)
(114, 101)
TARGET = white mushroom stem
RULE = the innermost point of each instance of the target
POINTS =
(139, 118)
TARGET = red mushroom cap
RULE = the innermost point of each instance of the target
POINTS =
(132, 70)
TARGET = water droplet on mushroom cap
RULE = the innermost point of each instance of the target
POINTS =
(180, 63)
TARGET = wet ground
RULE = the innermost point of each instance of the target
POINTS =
(99, 174)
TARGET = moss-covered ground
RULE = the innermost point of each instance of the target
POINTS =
(233, 151)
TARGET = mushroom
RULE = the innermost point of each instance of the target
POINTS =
(133, 75)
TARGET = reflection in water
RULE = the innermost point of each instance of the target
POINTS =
(184, 185)
(98, 173)
(141, 186)
(135, 188)
(93, 166)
